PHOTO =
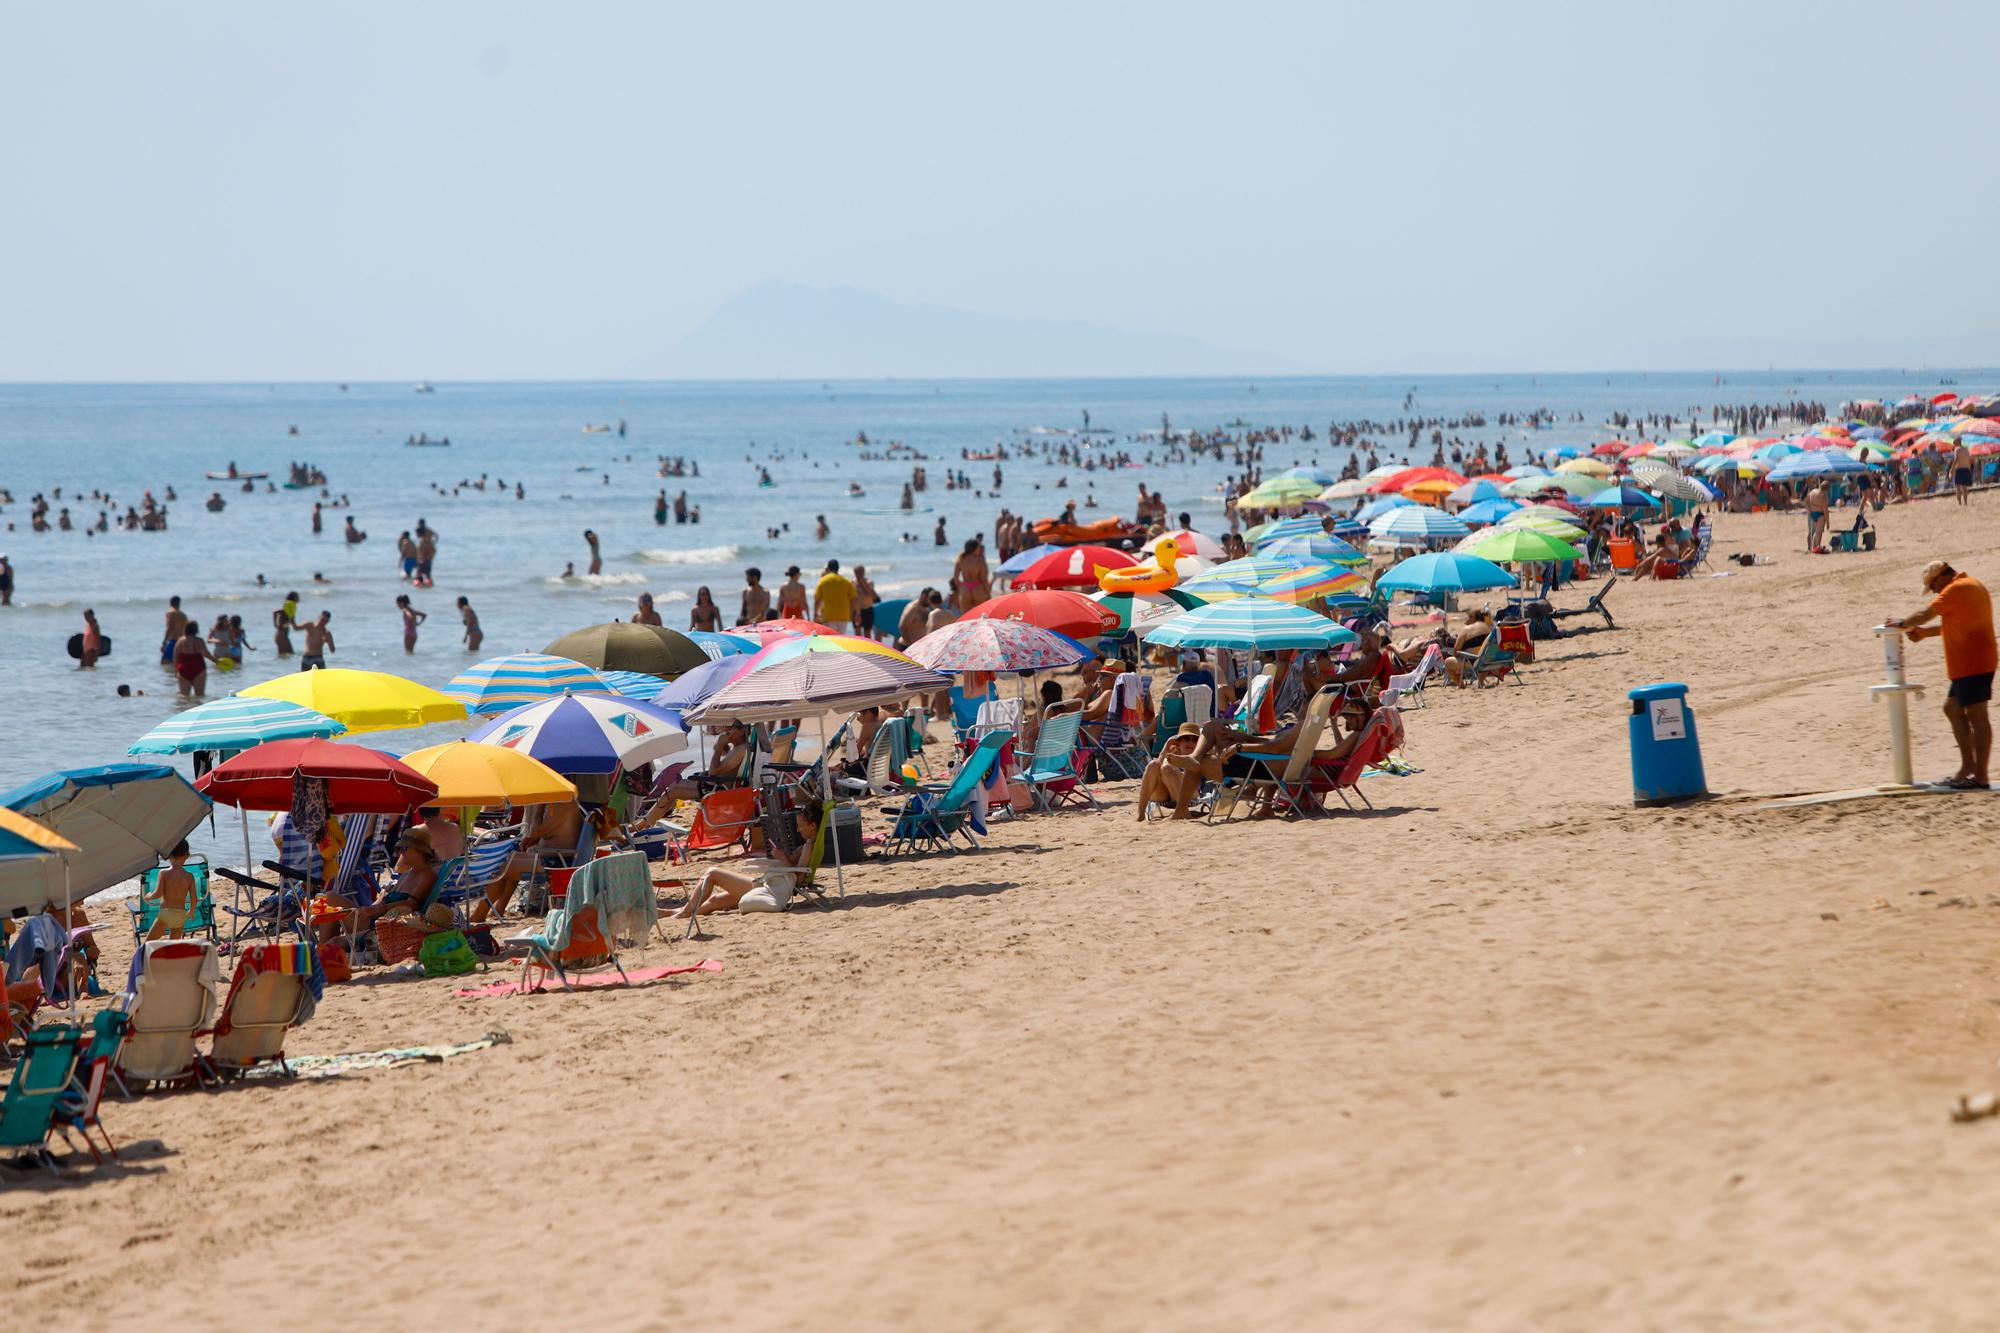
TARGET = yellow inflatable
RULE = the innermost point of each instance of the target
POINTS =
(1140, 579)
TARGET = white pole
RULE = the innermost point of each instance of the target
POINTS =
(1896, 691)
(69, 955)
(826, 828)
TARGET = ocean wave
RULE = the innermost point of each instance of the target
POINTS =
(692, 555)
(630, 579)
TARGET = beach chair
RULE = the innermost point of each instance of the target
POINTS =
(1596, 603)
(1286, 774)
(41, 1079)
(882, 776)
(482, 864)
(77, 1110)
(573, 938)
(1699, 559)
(273, 990)
(964, 710)
(1054, 774)
(172, 997)
(1490, 663)
(145, 909)
(1199, 701)
(1410, 685)
(722, 819)
(401, 938)
(1381, 736)
(934, 815)
(1514, 638)
(996, 715)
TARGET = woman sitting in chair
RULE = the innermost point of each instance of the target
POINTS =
(416, 876)
(767, 882)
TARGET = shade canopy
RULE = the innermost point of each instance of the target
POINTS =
(1251, 623)
(359, 781)
(818, 682)
(501, 683)
(623, 646)
(1444, 571)
(362, 700)
(121, 817)
(235, 723)
(471, 773)
(587, 733)
(1056, 609)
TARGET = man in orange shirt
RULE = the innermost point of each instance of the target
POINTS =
(1964, 612)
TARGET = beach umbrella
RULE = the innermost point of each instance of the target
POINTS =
(1592, 467)
(716, 643)
(1569, 483)
(1622, 497)
(1278, 492)
(783, 627)
(1611, 448)
(362, 700)
(1818, 463)
(996, 646)
(588, 733)
(1305, 526)
(1258, 624)
(1138, 610)
(819, 682)
(1197, 544)
(1777, 451)
(1374, 509)
(1404, 478)
(1444, 571)
(22, 837)
(1517, 545)
(1245, 573)
(1527, 470)
(639, 685)
(1311, 585)
(1057, 609)
(1474, 491)
(623, 646)
(501, 683)
(1714, 438)
(472, 773)
(1318, 476)
(1020, 560)
(1430, 492)
(120, 818)
(1488, 511)
(694, 688)
(1677, 487)
(1418, 522)
(1321, 547)
(1351, 489)
(357, 780)
(1654, 467)
(234, 723)
(1072, 567)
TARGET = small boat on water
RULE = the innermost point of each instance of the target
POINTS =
(422, 386)
(237, 476)
(596, 430)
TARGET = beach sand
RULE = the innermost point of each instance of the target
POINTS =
(1507, 1053)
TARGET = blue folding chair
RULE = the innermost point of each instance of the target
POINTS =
(934, 815)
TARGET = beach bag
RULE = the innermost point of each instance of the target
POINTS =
(447, 953)
(333, 961)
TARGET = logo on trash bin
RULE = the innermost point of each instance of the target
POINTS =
(1669, 721)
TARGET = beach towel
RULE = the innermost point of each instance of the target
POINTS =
(354, 1062)
(589, 979)
(622, 890)
(1125, 699)
(296, 958)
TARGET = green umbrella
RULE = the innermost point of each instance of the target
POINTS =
(623, 646)
(1280, 491)
(1506, 546)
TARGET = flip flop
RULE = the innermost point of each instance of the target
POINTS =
(1966, 784)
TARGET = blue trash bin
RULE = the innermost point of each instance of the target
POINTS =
(1666, 753)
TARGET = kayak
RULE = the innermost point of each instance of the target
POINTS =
(239, 476)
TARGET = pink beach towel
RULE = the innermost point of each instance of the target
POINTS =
(637, 975)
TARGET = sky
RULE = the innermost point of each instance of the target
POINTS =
(224, 191)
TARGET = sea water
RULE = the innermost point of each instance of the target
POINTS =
(508, 555)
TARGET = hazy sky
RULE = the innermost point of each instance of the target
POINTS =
(253, 191)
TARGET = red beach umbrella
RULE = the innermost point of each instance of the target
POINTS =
(358, 780)
(1072, 567)
(1398, 482)
(783, 626)
(1055, 609)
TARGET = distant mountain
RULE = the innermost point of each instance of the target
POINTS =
(779, 329)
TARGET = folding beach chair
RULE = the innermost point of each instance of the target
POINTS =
(1410, 685)
(1285, 774)
(1199, 701)
(274, 989)
(996, 715)
(934, 815)
(964, 710)
(573, 938)
(41, 1079)
(1490, 662)
(1054, 772)
(1595, 606)
(883, 775)
(722, 819)
(172, 997)
(400, 938)
(77, 1111)
(200, 908)
(1380, 737)
(1514, 639)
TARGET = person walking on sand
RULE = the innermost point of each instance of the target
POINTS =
(318, 642)
(411, 619)
(473, 635)
(596, 557)
(93, 642)
(1964, 612)
(833, 599)
(1961, 472)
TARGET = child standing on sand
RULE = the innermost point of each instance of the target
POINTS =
(411, 619)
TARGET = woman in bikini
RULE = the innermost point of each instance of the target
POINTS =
(191, 659)
(704, 614)
(411, 619)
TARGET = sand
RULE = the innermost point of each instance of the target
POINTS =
(1507, 1053)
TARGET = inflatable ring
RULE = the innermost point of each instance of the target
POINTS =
(1136, 580)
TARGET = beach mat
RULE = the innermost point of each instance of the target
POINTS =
(590, 979)
(353, 1062)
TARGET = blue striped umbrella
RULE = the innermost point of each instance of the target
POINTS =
(1420, 522)
(1319, 547)
(586, 733)
(1488, 511)
(238, 722)
(1818, 463)
(1306, 525)
(501, 683)
(1251, 623)
(718, 644)
(1374, 509)
(633, 684)
(1244, 574)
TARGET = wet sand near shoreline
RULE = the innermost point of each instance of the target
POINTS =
(1504, 1053)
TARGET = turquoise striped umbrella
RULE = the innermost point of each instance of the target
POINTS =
(1416, 522)
(501, 683)
(1245, 574)
(239, 722)
(1320, 547)
(1310, 525)
(634, 684)
(719, 645)
(1252, 623)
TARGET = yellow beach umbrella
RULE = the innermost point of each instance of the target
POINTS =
(363, 700)
(1431, 492)
(22, 836)
(472, 773)
(1595, 467)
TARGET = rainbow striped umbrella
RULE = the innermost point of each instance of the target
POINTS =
(501, 683)
(1253, 623)
(1308, 585)
(1246, 573)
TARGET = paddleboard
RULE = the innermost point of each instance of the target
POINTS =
(241, 476)
(76, 646)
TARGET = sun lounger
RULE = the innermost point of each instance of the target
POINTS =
(200, 917)
(77, 1111)
(172, 997)
(1054, 773)
(935, 815)
(274, 990)
(41, 1080)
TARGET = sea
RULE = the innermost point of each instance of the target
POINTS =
(508, 555)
